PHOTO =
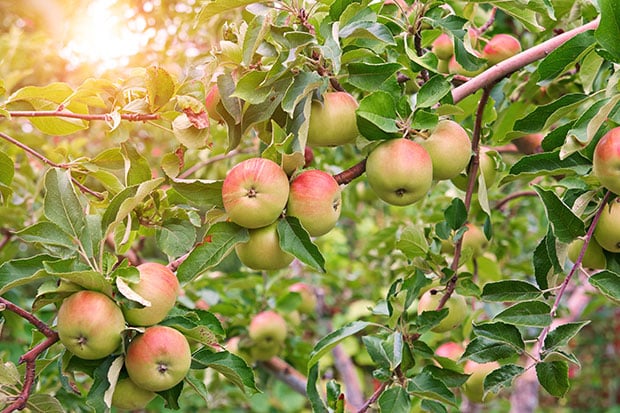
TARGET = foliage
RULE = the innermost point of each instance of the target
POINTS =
(101, 170)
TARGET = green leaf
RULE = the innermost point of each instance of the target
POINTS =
(456, 214)
(412, 242)
(160, 87)
(41, 402)
(220, 239)
(100, 385)
(332, 339)
(501, 332)
(192, 328)
(61, 203)
(303, 85)
(386, 353)
(560, 336)
(371, 76)
(126, 201)
(451, 375)
(608, 283)
(295, 240)
(548, 163)
(188, 134)
(426, 386)
(215, 7)
(47, 233)
(553, 376)
(231, 366)
(314, 396)
(501, 378)
(203, 193)
(176, 237)
(566, 225)
(433, 91)
(7, 169)
(139, 169)
(484, 350)
(558, 61)
(376, 116)
(395, 400)
(510, 290)
(545, 115)
(527, 313)
(367, 30)
(608, 31)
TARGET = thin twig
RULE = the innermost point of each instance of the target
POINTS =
(375, 396)
(500, 204)
(133, 117)
(287, 374)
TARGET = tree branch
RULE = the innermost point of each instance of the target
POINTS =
(350, 174)
(287, 374)
(133, 117)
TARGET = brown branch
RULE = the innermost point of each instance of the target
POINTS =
(502, 202)
(31, 318)
(287, 374)
(350, 174)
(133, 117)
(346, 368)
(375, 396)
(508, 66)
(51, 163)
(214, 159)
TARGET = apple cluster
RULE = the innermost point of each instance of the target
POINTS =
(257, 192)
(92, 326)
(498, 48)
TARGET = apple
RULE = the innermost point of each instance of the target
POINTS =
(400, 171)
(314, 198)
(500, 47)
(129, 396)
(489, 171)
(160, 286)
(211, 101)
(450, 350)
(456, 305)
(450, 149)
(473, 388)
(529, 144)
(474, 241)
(255, 192)
(158, 359)
(262, 251)
(593, 258)
(267, 331)
(443, 47)
(90, 324)
(455, 67)
(308, 298)
(333, 121)
(240, 347)
(606, 160)
(607, 231)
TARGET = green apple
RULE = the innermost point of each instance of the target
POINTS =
(450, 149)
(129, 396)
(474, 241)
(489, 171)
(262, 251)
(90, 324)
(160, 286)
(399, 171)
(255, 192)
(456, 305)
(593, 257)
(315, 199)
(473, 388)
(158, 359)
(455, 67)
(443, 47)
(500, 47)
(267, 330)
(607, 231)
(606, 160)
(308, 298)
(332, 120)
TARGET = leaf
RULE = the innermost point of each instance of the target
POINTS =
(371, 76)
(376, 116)
(332, 339)
(176, 237)
(233, 367)
(484, 350)
(126, 201)
(426, 386)
(203, 193)
(510, 290)
(528, 313)
(215, 7)
(61, 203)
(220, 239)
(395, 400)
(303, 85)
(314, 396)
(138, 169)
(548, 163)
(451, 375)
(608, 283)
(542, 116)
(160, 87)
(608, 31)
(558, 61)
(566, 225)
(295, 240)
(501, 378)
(560, 336)
(47, 233)
(386, 353)
(41, 402)
(553, 376)
(412, 242)
(501, 332)
(433, 91)
(456, 214)
(188, 134)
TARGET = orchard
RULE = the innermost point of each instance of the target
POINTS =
(310, 206)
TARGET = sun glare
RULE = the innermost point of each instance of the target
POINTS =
(104, 38)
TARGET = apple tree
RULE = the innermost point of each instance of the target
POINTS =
(300, 205)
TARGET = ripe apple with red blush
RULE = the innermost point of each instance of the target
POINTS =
(255, 192)
(160, 287)
(158, 359)
(315, 199)
(268, 331)
(90, 324)
(500, 47)
(443, 47)
(606, 160)
(308, 298)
